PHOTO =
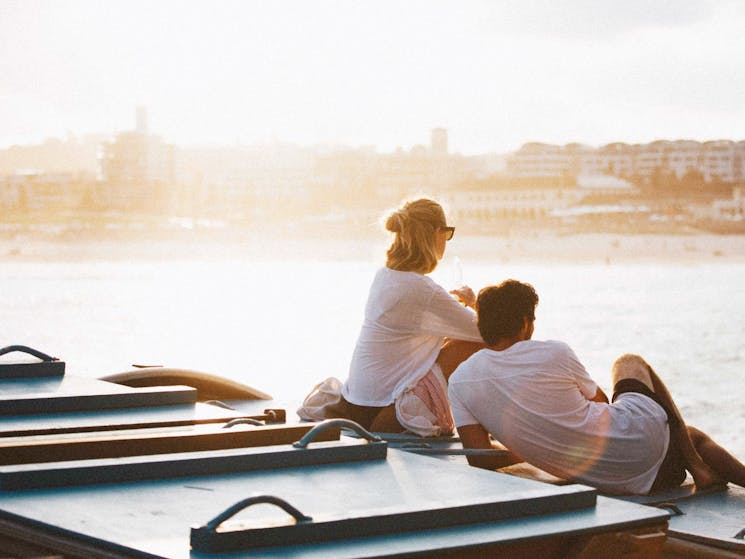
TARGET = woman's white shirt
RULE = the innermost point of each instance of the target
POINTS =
(407, 317)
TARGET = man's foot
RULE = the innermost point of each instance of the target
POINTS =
(706, 478)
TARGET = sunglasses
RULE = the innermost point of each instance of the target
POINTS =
(449, 232)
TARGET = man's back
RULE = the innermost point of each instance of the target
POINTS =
(534, 397)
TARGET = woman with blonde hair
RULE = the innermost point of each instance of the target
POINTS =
(413, 335)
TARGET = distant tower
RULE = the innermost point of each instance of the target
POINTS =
(439, 141)
(141, 120)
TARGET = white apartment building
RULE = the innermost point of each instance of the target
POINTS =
(489, 205)
(616, 159)
(37, 190)
(539, 160)
(136, 158)
(731, 210)
(10, 194)
(684, 156)
(651, 157)
(721, 160)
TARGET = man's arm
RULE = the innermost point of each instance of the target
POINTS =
(475, 436)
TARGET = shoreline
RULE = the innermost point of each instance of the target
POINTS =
(533, 247)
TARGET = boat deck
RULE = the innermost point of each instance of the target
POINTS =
(98, 470)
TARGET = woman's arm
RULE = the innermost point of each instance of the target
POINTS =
(444, 316)
(600, 396)
(465, 296)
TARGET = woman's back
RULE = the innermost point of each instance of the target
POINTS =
(406, 318)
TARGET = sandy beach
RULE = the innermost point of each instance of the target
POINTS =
(614, 248)
(530, 248)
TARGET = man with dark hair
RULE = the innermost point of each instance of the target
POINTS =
(504, 309)
(537, 399)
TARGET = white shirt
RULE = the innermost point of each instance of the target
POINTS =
(407, 317)
(533, 398)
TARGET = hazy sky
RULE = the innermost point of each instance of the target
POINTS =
(496, 74)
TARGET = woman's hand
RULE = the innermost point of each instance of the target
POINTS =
(465, 295)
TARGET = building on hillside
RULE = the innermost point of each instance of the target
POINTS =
(136, 167)
(539, 160)
(10, 194)
(730, 210)
(266, 183)
(489, 206)
(684, 157)
(37, 191)
(722, 160)
(608, 185)
(439, 142)
(539, 199)
(716, 161)
(581, 159)
(346, 178)
(134, 158)
(616, 159)
(651, 158)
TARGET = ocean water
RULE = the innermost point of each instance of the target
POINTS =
(283, 324)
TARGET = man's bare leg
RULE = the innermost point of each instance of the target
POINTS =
(722, 462)
(633, 366)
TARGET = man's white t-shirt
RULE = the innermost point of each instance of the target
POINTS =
(533, 397)
(407, 316)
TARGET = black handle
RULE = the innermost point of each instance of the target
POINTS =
(209, 538)
(213, 524)
(329, 424)
(242, 420)
(29, 350)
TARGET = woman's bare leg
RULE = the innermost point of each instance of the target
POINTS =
(635, 367)
(386, 421)
(452, 354)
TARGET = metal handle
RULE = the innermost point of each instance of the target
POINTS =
(269, 417)
(209, 538)
(213, 524)
(242, 420)
(29, 350)
(329, 424)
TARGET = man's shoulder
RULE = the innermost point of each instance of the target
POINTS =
(559, 345)
(554, 352)
(552, 346)
(467, 368)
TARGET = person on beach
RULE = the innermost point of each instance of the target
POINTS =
(537, 399)
(413, 335)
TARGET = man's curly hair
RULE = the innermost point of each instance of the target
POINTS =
(502, 309)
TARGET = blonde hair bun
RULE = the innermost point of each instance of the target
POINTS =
(413, 248)
(395, 221)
